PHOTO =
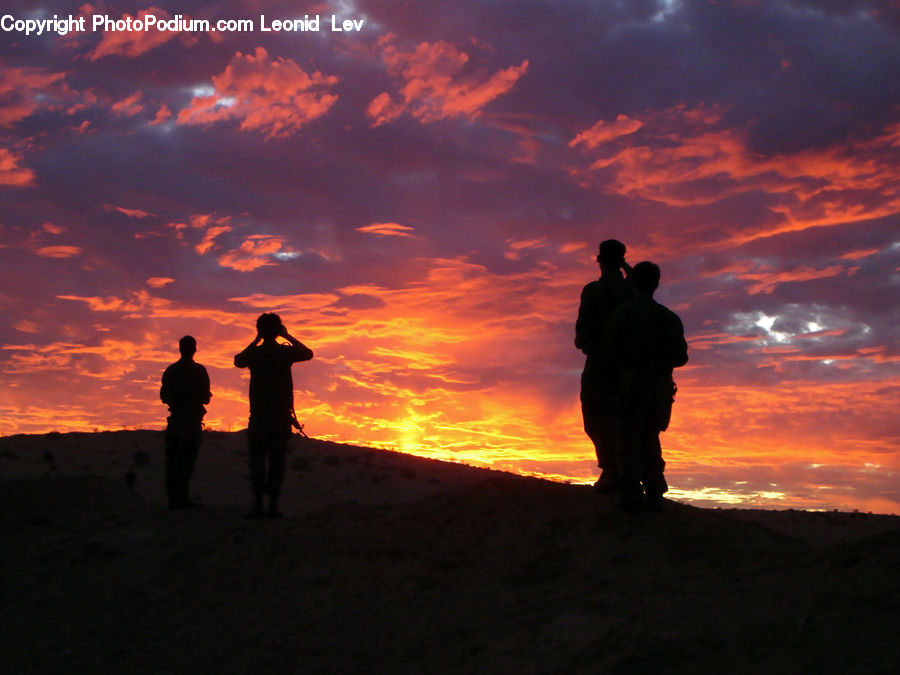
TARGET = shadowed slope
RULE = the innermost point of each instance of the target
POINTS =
(451, 569)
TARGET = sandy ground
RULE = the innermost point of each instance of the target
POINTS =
(387, 563)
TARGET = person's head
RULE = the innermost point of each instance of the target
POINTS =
(612, 253)
(645, 277)
(187, 346)
(269, 326)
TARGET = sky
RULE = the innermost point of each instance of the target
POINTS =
(421, 200)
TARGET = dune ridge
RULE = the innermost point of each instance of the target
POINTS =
(392, 563)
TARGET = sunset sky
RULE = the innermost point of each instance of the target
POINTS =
(422, 199)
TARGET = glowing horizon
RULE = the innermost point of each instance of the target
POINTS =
(421, 200)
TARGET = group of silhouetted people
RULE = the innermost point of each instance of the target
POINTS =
(632, 344)
(185, 389)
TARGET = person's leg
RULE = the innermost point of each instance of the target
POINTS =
(631, 494)
(172, 450)
(653, 466)
(256, 459)
(277, 458)
(192, 450)
(657, 418)
(600, 426)
(608, 432)
(187, 459)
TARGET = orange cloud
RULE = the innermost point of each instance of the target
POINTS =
(273, 96)
(131, 43)
(142, 304)
(202, 220)
(140, 301)
(256, 251)
(159, 282)
(387, 229)
(10, 171)
(209, 238)
(214, 227)
(58, 251)
(688, 161)
(435, 85)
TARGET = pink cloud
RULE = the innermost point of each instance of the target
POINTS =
(857, 255)
(273, 96)
(767, 281)
(435, 84)
(131, 43)
(26, 326)
(162, 115)
(516, 246)
(131, 213)
(302, 302)
(603, 132)
(572, 247)
(387, 229)
(10, 171)
(24, 90)
(129, 106)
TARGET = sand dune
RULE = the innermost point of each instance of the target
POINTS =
(391, 563)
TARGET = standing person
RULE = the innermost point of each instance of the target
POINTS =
(646, 342)
(185, 389)
(271, 406)
(598, 300)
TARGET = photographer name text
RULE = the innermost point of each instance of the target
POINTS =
(147, 21)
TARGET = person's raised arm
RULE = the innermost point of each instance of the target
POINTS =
(301, 351)
(242, 360)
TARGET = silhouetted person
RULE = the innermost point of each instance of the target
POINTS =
(598, 300)
(271, 406)
(185, 389)
(646, 342)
